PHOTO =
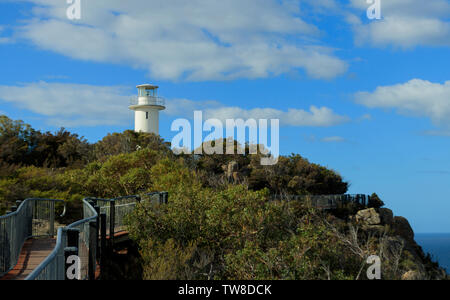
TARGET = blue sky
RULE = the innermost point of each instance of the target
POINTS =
(368, 98)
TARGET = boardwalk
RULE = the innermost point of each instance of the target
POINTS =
(101, 229)
(33, 253)
(103, 226)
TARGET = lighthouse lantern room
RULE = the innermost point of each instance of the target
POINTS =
(146, 107)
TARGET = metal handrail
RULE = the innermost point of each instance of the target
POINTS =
(40, 273)
(17, 227)
(35, 199)
(53, 267)
(86, 219)
(58, 252)
(115, 210)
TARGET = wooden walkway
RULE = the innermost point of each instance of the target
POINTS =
(33, 253)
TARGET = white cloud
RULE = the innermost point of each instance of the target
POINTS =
(71, 105)
(191, 40)
(405, 24)
(74, 105)
(316, 117)
(416, 97)
(405, 32)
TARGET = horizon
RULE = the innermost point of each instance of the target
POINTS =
(367, 98)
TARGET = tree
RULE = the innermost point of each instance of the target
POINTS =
(291, 175)
(234, 233)
(20, 144)
(128, 142)
(62, 149)
(17, 141)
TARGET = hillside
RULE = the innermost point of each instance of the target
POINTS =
(221, 221)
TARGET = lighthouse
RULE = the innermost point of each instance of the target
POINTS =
(146, 107)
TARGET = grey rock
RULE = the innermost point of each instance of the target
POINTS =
(232, 168)
(368, 217)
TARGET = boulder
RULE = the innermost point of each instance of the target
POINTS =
(368, 217)
(402, 228)
(232, 168)
(386, 216)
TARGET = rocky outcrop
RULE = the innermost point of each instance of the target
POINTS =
(397, 240)
(386, 216)
(372, 216)
(232, 171)
(377, 217)
(368, 217)
(402, 228)
(392, 247)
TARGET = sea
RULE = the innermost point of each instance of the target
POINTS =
(438, 245)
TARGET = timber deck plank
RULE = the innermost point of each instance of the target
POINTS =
(33, 253)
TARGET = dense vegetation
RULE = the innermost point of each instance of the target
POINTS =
(64, 165)
(220, 222)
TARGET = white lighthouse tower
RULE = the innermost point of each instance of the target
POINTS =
(146, 108)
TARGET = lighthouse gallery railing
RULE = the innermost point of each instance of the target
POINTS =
(148, 100)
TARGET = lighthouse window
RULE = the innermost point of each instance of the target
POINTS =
(146, 115)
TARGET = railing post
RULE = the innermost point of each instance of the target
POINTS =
(72, 250)
(97, 209)
(102, 242)
(163, 197)
(92, 261)
(52, 219)
(73, 237)
(112, 220)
